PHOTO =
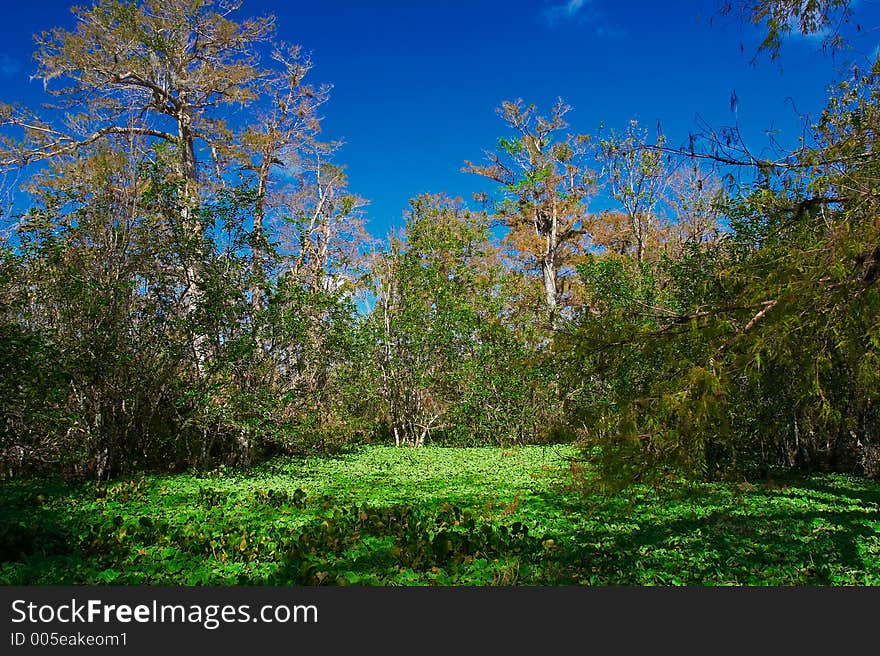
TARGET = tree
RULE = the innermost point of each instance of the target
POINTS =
(279, 137)
(546, 185)
(310, 324)
(452, 366)
(423, 317)
(162, 70)
(781, 18)
(156, 266)
(636, 177)
(759, 349)
(695, 198)
(97, 300)
(667, 200)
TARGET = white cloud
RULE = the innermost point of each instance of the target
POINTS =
(583, 12)
(565, 11)
(574, 6)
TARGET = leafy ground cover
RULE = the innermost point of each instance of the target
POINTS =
(480, 516)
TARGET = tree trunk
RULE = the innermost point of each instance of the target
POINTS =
(192, 227)
(549, 275)
(257, 238)
(548, 264)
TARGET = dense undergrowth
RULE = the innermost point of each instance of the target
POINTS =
(437, 516)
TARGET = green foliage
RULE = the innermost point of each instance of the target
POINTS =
(115, 360)
(781, 18)
(397, 537)
(437, 516)
(452, 369)
(754, 351)
(155, 319)
(142, 271)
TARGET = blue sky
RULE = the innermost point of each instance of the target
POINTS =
(416, 84)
